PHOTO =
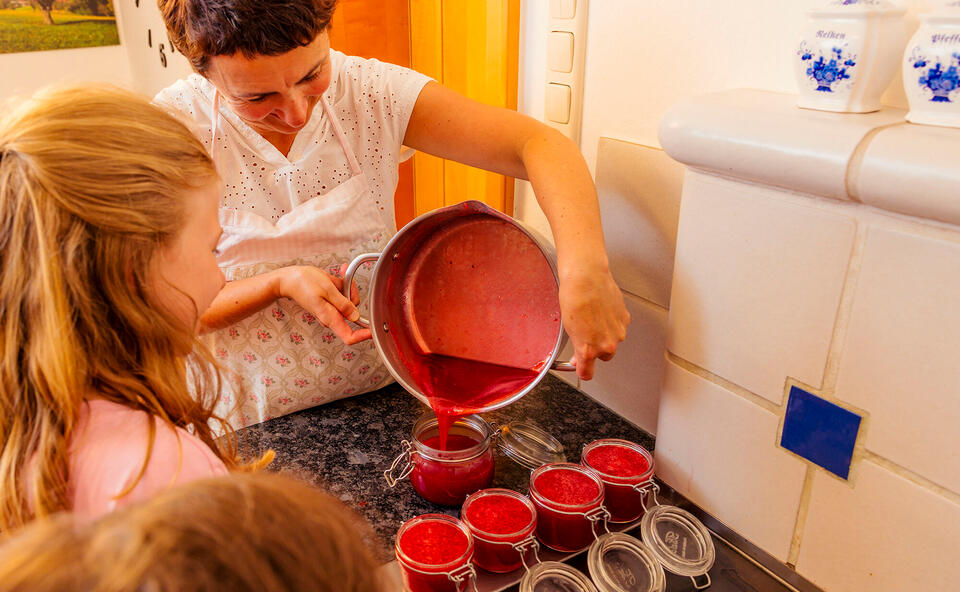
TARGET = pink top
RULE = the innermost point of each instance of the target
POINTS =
(108, 452)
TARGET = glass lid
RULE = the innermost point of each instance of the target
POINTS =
(678, 540)
(553, 576)
(620, 563)
(529, 445)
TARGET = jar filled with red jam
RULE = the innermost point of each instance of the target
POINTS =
(569, 502)
(434, 553)
(625, 468)
(447, 472)
(502, 523)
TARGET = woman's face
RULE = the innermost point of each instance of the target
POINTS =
(184, 274)
(274, 94)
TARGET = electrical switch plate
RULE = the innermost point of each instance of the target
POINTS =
(563, 9)
(560, 51)
(558, 103)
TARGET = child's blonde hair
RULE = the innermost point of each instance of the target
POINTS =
(92, 183)
(243, 533)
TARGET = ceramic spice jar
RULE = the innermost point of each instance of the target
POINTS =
(931, 68)
(848, 53)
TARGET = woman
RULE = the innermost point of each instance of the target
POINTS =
(308, 141)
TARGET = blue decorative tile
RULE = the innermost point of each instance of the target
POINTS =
(820, 431)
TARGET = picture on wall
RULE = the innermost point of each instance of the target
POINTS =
(39, 25)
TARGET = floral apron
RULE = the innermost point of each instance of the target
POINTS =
(281, 359)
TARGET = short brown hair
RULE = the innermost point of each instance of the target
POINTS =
(244, 532)
(201, 29)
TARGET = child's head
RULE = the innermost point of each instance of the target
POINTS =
(108, 230)
(243, 532)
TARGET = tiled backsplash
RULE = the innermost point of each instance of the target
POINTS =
(813, 337)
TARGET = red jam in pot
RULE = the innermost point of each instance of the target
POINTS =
(564, 493)
(623, 467)
(429, 547)
(447, 477)
(498, 518)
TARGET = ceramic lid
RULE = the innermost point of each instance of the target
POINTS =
(529, 445)
(550, 576)
(859, 7)
(620, 562)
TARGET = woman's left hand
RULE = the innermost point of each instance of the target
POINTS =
(594, 316)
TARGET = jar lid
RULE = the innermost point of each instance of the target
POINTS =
(553, 575)
(849, 7)
(678, 540)
(529, 445)
(619, 562)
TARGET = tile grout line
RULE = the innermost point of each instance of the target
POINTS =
(804, 508)
(831, 370)
(724, 383)
(831, 374)
(907, 474)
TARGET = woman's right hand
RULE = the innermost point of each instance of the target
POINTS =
(319, 293)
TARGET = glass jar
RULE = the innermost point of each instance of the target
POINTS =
(569, 502)
(625, 468)
(446, 477)
(434, 553)
(502, 523)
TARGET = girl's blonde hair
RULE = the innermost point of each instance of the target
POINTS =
(93, 182)
(242, 533)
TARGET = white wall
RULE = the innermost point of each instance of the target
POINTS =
(24, 73)
(143, 50)
(642, 56)
(133, 64)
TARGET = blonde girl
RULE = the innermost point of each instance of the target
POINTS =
(240, 533)
(108, 233)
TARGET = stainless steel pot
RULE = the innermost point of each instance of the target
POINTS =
(499, 317)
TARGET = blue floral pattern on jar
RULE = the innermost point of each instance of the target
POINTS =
(827, 71)
(941, 80)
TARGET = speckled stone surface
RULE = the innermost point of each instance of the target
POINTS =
(346, 446)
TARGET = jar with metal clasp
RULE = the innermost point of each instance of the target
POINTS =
(447, 477)
(434, 552)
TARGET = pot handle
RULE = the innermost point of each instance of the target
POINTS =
(348, 279)
(563, 366)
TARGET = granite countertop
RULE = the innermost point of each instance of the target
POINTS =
(345, 447)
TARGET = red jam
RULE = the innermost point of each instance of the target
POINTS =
(498, 518)
(502, 329)
(618, 461)
(623, 467)
(447, 478)
(429, 547)
(434, 543)
(499, 514)
(567, 487)
(564, 494)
